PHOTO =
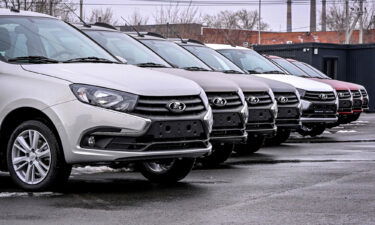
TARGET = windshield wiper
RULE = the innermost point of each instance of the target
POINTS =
(231, 71)
(33, 59)
(254, 72)
(151, 64)
(273, 72)
(195, 68)
(92, 59)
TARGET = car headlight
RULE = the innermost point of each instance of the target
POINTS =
(205, 99)
(301, 92)
(209, 119)
(104, 98)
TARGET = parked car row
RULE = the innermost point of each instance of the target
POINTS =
(89, 94)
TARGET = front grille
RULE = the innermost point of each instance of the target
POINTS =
(288, 112)
(319, 110)
(284, 99)
(357, 104)
(319, 96)
(260, 116)
(344, 94)
(345, 104)
(365, 103)
(231, 100)
(356, 94)
(364, 93)
(158, 106)
(258, 99)
(227, 121)
(163, 135)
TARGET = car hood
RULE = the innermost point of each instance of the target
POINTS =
(247, 82)
(351, 86)
(275, 85)
(120, 77)
(209, 81)
(299, 82)
(337, 85)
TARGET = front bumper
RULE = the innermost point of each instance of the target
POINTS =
(119, 133)
(261, 121)
(313, 112)
(229, 125)
(288, 118)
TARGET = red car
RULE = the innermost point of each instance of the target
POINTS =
(359, 93)
(349, 103)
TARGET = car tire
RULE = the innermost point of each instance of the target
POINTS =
(280, 137)
(311, 131)
(354, 117)
(253, 144)
(220, 153)
(166, 171)
(35, 159)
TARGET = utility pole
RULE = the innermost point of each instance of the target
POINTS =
(81, 9)
(312, 15)
(259, 22)
(360, 39)
(324, 15)
(51, 7)
(347, 22)
(289, 16)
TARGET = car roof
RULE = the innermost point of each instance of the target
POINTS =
(82, 26)
(223, 46)
(9, 12)
(147, 35)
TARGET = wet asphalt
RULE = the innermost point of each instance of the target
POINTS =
(324, 180)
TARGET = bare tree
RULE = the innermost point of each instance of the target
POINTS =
(242, 19)
(174, 13)
(137, 19)
(104, 16)
(336, 17)
(58, 8)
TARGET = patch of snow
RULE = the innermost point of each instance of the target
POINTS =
(347, 131)
(27, 194)
(97, 169)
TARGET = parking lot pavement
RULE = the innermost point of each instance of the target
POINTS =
(328, 181)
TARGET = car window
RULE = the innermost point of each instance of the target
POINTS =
(251, 61)
(122, 45)
(307, 69)
(45, 37)
(214, 59)
(175, 54)
(289, 67)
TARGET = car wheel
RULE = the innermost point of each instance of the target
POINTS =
(166, 171)
(280, 137)
(220, 153)
(252, 145)
(35, 159)
(313, 131)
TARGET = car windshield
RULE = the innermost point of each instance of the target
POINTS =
(214, 59)
(46, 40)
(175, 55)
(289, 67)
(321, 74)
(120, 44)
(308, 70)
(251, 61)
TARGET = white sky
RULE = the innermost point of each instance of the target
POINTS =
(274, 15)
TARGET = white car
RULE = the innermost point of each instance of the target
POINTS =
(64, 100)
(319, 101)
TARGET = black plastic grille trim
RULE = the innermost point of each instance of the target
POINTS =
(364, 93)
(345, 94)
(264, 98)
(158, 106)
(315, 96)
(232, 98)
(291, 97)
(356, 94)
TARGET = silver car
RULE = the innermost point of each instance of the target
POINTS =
(64, 100)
